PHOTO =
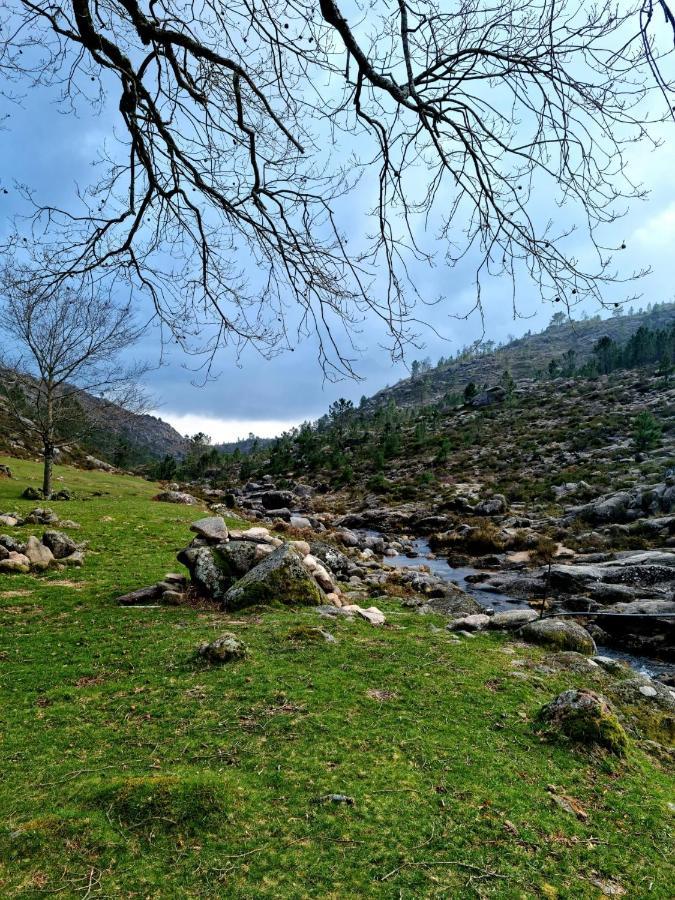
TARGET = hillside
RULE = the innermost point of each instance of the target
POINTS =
(124, 438)
(524, 357)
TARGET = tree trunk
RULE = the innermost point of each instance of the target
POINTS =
(48, 445)
(48, 454)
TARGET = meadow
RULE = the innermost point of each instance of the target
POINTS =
(392, 762)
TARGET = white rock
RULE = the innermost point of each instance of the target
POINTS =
(300, 522)
(648, 691)
(301, 547)
(476, 622)
(8, 521)
(263, 550)
(373, 615)
(310, 562)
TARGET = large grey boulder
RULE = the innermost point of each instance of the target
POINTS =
(559, 634)
(213, 528)
(280, 578)
(626, 506)
(59, 543)
(40, 557)
(214, 569)
(277, 499)
(510, 619)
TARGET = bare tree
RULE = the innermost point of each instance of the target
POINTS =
(246, 126)
(63, 369)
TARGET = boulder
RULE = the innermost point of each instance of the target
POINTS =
(300, 522)
(373, 615)
(651, 705)
(5, 471)
(226, 648)
(59, 543)
(276, 499)
(15, 562)
(258, 534)
(176, 497)
(511, 619)
(280, 578)
(476, 622)
(40, 556)
(32, 493)
(9, 521)
(10, 543)
(141, 596)
(42, 516)
(558, 634)
(213, 528)
(584, 717)
(215, 569)
(494, 506)
(74, 559)
(334, 559)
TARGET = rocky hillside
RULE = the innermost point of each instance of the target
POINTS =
(127, 439)
(524, 357)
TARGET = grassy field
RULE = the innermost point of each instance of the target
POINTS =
(132, 769)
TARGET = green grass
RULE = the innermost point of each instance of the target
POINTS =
(132, 769)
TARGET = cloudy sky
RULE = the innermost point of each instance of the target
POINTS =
(52, 152)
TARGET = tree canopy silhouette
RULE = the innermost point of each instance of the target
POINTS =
(243, 129)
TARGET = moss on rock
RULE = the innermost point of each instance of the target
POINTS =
(280, 579)
(559, 635)
(586, 718)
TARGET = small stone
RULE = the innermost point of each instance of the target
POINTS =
(373, 615)
(176, 497)
(226, 648)
(647, 690)
(301, 547)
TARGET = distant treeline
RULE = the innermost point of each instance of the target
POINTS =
(646, 347)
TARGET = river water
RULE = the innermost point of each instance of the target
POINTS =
(498, 602)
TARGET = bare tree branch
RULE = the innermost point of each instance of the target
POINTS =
(248, 127)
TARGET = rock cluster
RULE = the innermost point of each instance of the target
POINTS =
(38, 516)
(240, 569)
(176, 497)
(55, 548)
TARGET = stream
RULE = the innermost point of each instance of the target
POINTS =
(498, 602)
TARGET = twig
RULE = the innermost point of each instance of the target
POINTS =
(486, 873)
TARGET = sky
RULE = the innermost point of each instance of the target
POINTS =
(52, 152)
